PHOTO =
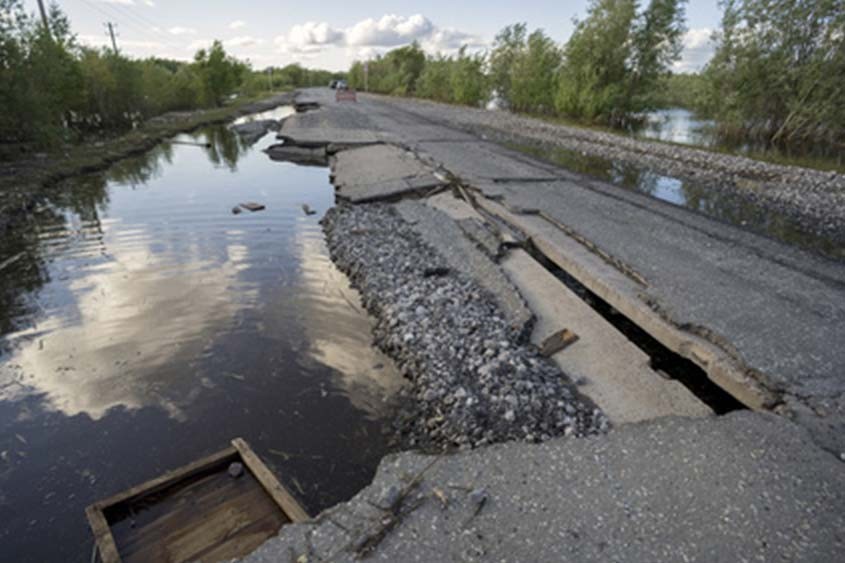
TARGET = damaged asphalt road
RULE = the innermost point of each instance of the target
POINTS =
(762, 319)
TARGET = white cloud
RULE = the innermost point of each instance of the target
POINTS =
(237, 24)
(389, 31)
(150, 3)
(124, 2)
(370, 36)
(697, 50)
(242, 41)
(312, 33)
(199, 44)
(178, 30)
(448, 40)
(364, 53)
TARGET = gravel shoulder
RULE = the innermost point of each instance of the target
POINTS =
(816, 199)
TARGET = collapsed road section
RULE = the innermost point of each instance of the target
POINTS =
(525, 301)
(760, 319)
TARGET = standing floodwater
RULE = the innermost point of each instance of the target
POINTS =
(143, 324)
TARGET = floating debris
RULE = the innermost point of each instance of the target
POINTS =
(252, 206)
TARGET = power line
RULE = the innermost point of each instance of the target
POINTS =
(111, 15)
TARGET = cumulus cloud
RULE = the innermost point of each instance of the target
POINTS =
(237, 24)
(312, 33)
(446, 40)
(178, 30)
(389, 31)
(124, 2)
(373, 36)
(697, 50)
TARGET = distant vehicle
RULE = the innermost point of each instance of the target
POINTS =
(342, 85)
(333, 84)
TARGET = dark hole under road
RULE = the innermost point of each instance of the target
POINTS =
(662, 358)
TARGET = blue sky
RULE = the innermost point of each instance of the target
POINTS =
(332, 33)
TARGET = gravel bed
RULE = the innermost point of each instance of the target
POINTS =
(472, 380)
(814, 198)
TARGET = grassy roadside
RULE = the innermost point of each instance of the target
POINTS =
(23, 181)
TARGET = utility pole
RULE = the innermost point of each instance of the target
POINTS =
(44, 16)
(111, 34)
(270, 77)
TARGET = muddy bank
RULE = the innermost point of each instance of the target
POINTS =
(473, 379)
(813, 198)
(25, 182)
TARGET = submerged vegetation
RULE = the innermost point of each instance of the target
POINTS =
(775, 79)
(54, 90)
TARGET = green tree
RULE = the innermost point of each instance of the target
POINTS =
(435, 80)
(218, 72)
(615, 58)
(777, 71)
(509, 43)
(467, 82)
(533, 75)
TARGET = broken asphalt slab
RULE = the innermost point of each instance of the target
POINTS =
(380, 172)
(746, 486)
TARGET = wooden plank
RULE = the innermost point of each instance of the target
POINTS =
(280, 494)
(224, 515)
(169, 478)
(102, 535)
(557, 341)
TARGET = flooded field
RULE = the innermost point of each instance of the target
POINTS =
(143, 324)
(682, 126)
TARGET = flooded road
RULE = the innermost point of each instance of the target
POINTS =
(143, 324)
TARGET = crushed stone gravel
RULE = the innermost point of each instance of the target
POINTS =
(474, 380)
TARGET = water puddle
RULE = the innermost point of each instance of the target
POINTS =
(724, 206)
(145, 324)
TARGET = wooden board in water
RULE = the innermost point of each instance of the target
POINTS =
(198, 512)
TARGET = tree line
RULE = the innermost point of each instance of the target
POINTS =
(54, 90)
(776, 75)
(606, 72)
